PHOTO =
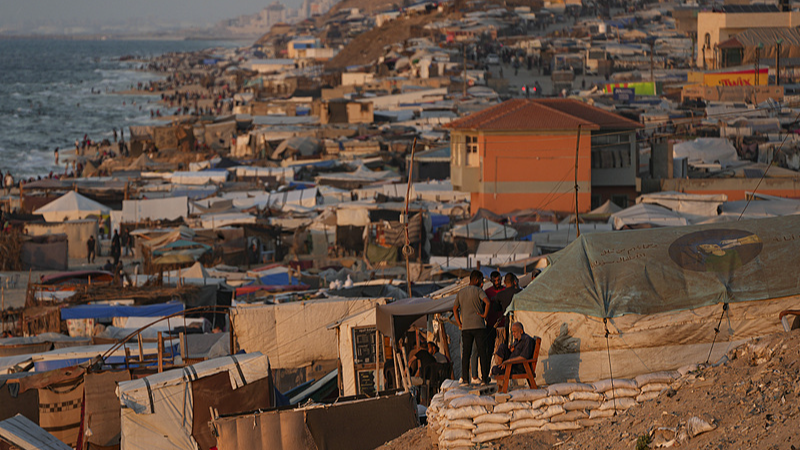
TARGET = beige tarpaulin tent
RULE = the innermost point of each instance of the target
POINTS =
(71, 206)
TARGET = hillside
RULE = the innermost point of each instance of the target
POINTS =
(751, 401)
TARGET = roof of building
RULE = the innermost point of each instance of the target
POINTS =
(542, 115)
(789, 37)
(756, 8)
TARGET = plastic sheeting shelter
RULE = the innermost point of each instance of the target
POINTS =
(396, 318)
(158, 411)
(108, 311)
(171, 208)
(706, 151)
(692, 204)
(77, 231)
(23, 434)
(646, 214)
(294, 334)
(661, 292)
(71, 206)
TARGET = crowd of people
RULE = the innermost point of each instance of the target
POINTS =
(480, 315)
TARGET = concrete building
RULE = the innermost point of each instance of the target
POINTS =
(714, 27)
(523, 154)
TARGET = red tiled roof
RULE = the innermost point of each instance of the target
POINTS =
(585, 111)
(541, 115)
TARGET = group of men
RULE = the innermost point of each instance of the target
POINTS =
(480, 316)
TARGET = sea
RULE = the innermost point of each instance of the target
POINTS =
(53, 92)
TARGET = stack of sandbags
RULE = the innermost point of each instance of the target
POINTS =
(457, 418)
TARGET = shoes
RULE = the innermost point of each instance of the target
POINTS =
(462, 382)
(484, 383)
(475, 381)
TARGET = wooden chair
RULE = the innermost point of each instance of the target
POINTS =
(529, 366)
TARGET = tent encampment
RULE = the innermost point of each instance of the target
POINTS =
(660, 293)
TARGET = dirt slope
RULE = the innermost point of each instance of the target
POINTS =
(751, 401)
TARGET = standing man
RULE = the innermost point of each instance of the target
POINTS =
(91, 245)
(116, 247)
(495, 311)
(126, 242)
(503, 300)
(470, 310)
(55, 154)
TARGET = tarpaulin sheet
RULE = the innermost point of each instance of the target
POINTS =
(294, 334)
(108, 311)
(102, 406)
(26, 403)
(60, 410)
(396, 318)
(170, 208)
(215, 392)
(669, 269)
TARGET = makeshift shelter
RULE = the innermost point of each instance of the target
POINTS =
(645, 215)
(484, 230)
(294, 334)
(695, 205)
(77, 231)
(171, 409)
(21, 433)
(706, 151)
(71, 206)
(661, 293)
(47, 252)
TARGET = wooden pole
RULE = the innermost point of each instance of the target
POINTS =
(377, 361)
(404, 368)
(141, 349)
(160, 352)
(577, 152)
(3, 309)
(407, 246)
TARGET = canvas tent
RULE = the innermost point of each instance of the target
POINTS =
(294, 334)
(696, 205)
(396, 318)
(71, 206)
(661, 294)
(647, 215)
(706, 151)
(159, 411)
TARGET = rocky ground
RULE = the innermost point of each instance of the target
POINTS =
(751, 401)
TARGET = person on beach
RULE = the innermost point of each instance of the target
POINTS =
(470, 310)
(91, 246)
(55, 153)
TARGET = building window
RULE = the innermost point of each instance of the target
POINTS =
(595, 201)
(472, 151)
(620, 200)
(708, 40)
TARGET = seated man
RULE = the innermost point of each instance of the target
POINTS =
(433, 349)
(520, 350)
(420, 358)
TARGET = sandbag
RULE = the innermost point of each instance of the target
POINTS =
(621, 392)
(528, 395)
(608, 384)
(654, 387)
(461, 443)
(511, 406)
(561, 426)
(601, 413)
(592, 396)
(590, 422)
(453, 434)
(467, 412)
(619, 404)
(463, 424)
(526, 430)
(527, 423)
(570, 417)
(656, 377)
(453, 394)
(552, 411)
(688, 368)
(547, 401)
(581, 405)
(489, 427)
(647, 396)
(493, 418)
(568, 388)
(486, 437)
(448, 384)
(520, 414)
(472, 400)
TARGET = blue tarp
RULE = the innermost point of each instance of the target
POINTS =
(279, 279)
(107, 311)
(438, 221)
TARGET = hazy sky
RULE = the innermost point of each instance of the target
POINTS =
(74, 11)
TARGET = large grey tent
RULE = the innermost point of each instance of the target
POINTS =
(661, 293)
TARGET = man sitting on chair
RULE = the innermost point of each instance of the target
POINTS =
(520, 350)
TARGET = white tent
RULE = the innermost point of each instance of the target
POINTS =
(642, 214)
(158, 411)
(706, 151)
(71, 206)
(485, 230)
(22, 433)
(705, 206)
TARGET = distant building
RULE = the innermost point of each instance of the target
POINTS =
(715, 27)
(522, 154)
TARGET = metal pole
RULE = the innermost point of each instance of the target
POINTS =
(577, 150)
(407, 246)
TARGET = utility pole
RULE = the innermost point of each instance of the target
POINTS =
(464, 81)
(778, 62)
(652, 64)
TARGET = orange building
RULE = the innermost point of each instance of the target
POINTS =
(523, 153)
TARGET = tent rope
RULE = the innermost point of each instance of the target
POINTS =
(610, 371)
(716, 331)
